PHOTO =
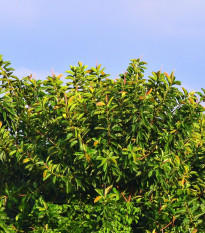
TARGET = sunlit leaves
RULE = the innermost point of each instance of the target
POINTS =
(137, 142)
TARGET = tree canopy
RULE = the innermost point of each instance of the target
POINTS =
(101, 155)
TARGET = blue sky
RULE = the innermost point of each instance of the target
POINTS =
(40, 35)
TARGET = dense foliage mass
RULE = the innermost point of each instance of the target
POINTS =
(101, 155)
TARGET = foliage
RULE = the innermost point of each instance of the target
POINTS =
(101, 155)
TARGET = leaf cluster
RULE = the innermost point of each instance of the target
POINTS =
(101, 155)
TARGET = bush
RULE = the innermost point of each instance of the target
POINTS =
(101, 155)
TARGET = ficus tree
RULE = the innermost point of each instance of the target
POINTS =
(94, 154)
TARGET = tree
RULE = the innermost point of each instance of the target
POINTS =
(100, 155)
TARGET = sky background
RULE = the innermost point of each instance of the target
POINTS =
(40, 35)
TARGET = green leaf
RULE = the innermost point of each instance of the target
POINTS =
(69, 135)
(107, 190)
(110, 101)
(68, 187)
(73, 143)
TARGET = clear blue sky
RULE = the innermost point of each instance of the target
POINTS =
(38, 35)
